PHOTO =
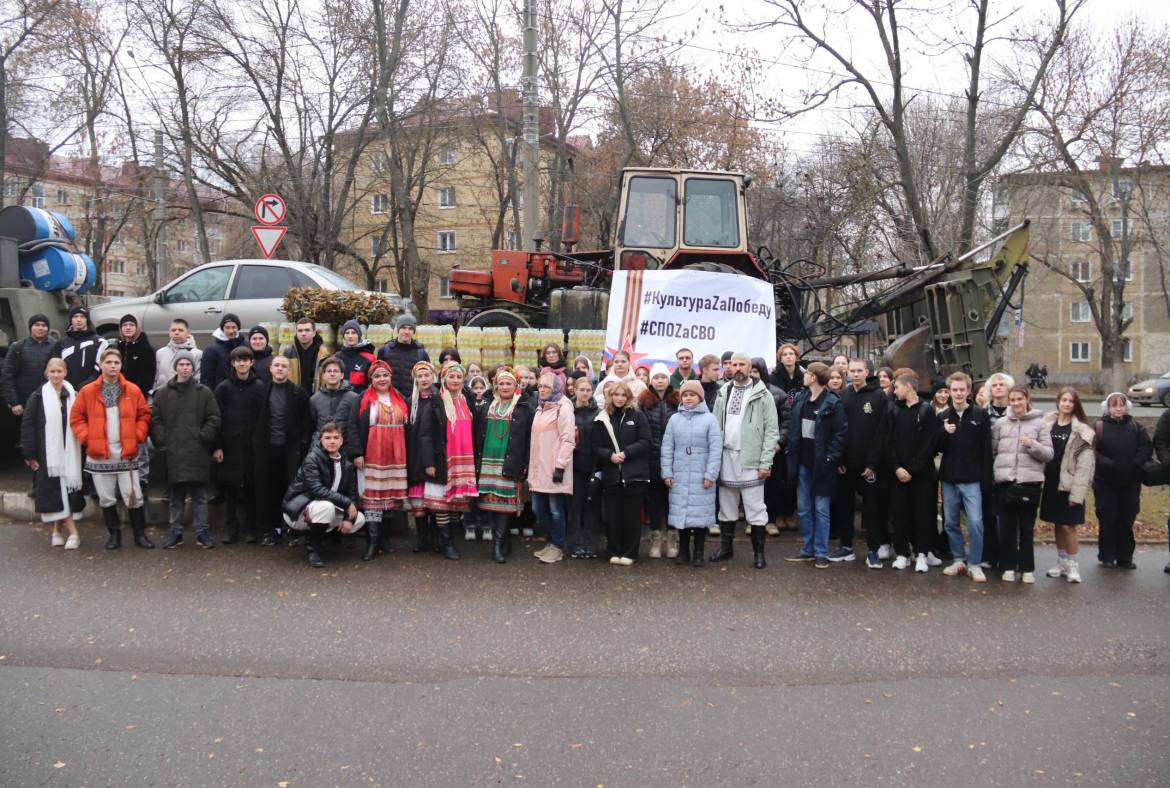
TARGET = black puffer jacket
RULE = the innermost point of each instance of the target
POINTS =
(138, 362)
(239, 410)
(24, 370)
(339, 405)
(402, 358)
(658, 411)
(792, 384)
(1123, 446)
(516, 455)
(314, 482)
(184, 424)
(46, 489)
(80, 350)
(584, 459)
(632, 431)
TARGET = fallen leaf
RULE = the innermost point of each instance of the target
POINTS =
(59, 765)
(131, 727)
(917, 748)
(218, 739)
(577, 746)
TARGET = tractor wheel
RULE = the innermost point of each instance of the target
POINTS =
(498, 318)
(715, 268)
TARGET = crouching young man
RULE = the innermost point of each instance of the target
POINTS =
(324, 494)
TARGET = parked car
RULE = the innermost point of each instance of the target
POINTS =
(1152, 392)
(251, 289)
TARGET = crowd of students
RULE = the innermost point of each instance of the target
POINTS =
(310, 440)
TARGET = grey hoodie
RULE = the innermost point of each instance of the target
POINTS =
(165, 358)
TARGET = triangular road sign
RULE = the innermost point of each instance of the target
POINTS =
(268, 238)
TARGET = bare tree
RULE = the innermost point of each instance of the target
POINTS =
(1105, 102)
(886, 89)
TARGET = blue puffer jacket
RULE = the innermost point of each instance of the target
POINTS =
(692, 449)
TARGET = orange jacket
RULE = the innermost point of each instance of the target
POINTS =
(88, 419)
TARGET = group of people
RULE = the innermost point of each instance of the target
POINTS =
(1037, 375)
(310, 440)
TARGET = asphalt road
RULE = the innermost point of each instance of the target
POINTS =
(242, 666)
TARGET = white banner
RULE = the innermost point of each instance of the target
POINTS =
(654, 313)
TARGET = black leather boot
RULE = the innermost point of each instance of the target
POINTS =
(373, 540)
(684, 546)
(113, 525)
(758, 537)
(700, 537)
(725, 552)
(447, 542)
(422, 532)
(231, 527)
(138, 525)
(500, 538)
(313, 539)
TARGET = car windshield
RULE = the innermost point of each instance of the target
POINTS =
(711, 216)
(333, 278)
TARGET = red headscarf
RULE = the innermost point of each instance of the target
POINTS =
(371, 395)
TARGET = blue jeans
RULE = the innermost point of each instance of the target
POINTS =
(179, 492)
(549, 509)
(815, 533)
(969, 496)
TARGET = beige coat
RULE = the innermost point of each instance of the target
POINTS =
(1079, 461)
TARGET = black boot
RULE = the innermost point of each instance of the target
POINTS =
(700, 539)
(436, 534)
(231, 528)
(758, 537)
(684, 546)
(373, 540)
(500, 538)
(422, 534)
(313, 539)
(447, 542)
(110, 515)
(726, 537)
(138, 525)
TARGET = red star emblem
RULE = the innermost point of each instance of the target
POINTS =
(635, 357)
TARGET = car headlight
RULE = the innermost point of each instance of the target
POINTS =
(1149, 390)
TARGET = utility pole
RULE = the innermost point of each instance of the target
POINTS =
(531, 131)
(160, 211)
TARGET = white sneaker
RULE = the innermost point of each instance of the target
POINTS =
(514, 531)
(551, 554)
(1074, 572)
(74, 542)
(885, 552)
(527, 533)
(616, 560)
(955, 569)
(539, 554)
(1009, 576)
(931, 560)
(922, 563)
(772, 529)
(469, 534)
(901, 562)
(626, 561)
(976, 574)
(1060, 570)
(57, 540)
(1028, 578)
(714, 530)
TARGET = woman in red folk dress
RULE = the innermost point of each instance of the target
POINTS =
(381, 460)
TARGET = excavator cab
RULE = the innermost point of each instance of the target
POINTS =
(670, 219)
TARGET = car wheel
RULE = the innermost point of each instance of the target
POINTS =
(1166, 399)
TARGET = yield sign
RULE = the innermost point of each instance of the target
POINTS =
(270, 209)
(268, 238)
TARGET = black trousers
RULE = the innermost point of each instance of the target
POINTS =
(623, 505)
(657, 502)
(779, 500)
(843, 507)
(1017, 523)
(278, 482)
(912, 507)
(581, 529)
(990, 527)
(1117, 507)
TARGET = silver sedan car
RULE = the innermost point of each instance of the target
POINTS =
(251, 289)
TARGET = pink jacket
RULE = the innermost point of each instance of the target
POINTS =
(554, 432)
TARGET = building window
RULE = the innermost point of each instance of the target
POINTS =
(447, 154)
(36, 196)
(181, 245)
(446, 242)
(380, 203)
(512, 240)
(115, 266)
(1078, 351)
(444, 287)
(1082, 232)
(1123, 268)
(1081, 270)
(1127, 311)
(1127, 350)
(377, 246)
(447, 197)
(1078, 200)
(381, 286)
(62, 197)
(379, 162)
(11, 188)
(1121, 189)
(1079, 312)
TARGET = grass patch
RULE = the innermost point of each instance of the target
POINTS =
(1151, 519)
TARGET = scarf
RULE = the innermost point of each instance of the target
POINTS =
(62, 454)
(445, 393)
(414, 394)
(557, 393)
(111, 392)
(370, 397)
